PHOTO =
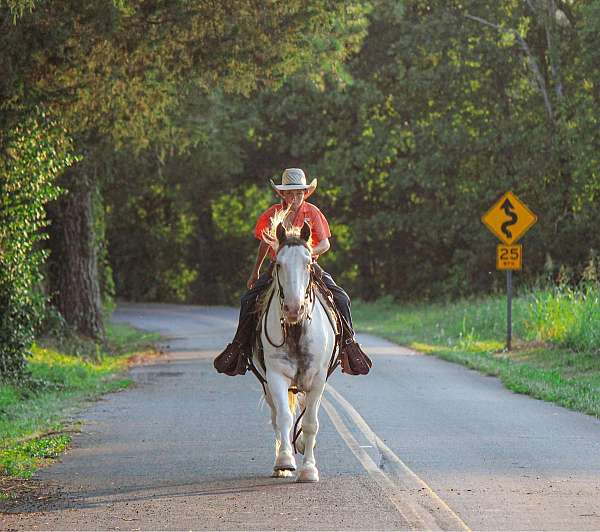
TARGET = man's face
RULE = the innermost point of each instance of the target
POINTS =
(293, 197)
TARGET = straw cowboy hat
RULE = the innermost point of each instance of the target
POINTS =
(294, 179)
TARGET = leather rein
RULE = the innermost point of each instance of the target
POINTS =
(309, 296)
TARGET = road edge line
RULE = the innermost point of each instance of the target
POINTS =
(387, 485)
(372, 437)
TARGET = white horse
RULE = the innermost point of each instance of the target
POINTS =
(298, 340)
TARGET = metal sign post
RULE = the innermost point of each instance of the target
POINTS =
(509, 219)
(509, 310)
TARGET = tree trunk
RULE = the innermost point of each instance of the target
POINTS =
(73, 268)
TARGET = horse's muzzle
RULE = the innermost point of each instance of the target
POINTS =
(293, 313)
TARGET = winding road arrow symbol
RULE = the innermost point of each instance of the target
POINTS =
(507, 207)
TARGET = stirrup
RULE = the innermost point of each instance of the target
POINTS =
(354, 360)
(232, 361)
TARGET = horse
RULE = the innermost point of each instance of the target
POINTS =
(298, 341)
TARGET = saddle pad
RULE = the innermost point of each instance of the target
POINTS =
(329, 309)
(262, 305)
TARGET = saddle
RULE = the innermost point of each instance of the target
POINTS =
(346, 352)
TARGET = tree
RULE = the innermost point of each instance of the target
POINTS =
(116, 72)
(32, 155)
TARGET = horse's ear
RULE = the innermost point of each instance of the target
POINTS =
(305, 232)
(281, 235)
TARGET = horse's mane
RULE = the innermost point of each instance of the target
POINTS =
(292, 233)
(270, 237)
(270, 233)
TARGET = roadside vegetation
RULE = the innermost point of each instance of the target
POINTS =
(556, 339)
(36, 414)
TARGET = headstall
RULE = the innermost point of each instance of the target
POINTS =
(309, 296)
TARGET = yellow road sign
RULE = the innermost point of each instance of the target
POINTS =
(509, 219)
(509, 257)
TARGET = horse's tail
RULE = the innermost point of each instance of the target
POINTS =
(293, 401)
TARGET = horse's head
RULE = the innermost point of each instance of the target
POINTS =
(293, 272)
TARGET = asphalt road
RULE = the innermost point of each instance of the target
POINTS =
(418, 444)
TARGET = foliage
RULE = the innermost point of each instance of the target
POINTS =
(18, 7)
(233, 217)
(121, 75)
(150, 224)
(33, 155)
(568, 317)
(415, 117)
(443, 111)
(563, 316)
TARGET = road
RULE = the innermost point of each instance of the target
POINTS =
(418, 444)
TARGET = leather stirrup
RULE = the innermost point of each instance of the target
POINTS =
(354, 360)
(232, 361)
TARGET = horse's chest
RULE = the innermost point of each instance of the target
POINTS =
(297, 357)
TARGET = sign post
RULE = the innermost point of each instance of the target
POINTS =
(509, 219)
(508, 310)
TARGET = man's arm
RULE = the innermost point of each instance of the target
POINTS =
(321, 247)
(263, 248)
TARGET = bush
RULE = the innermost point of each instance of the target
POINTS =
(32, 155)
(568, 316)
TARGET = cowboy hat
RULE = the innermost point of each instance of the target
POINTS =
(294, 179)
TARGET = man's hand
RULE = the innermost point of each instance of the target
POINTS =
(253, 278)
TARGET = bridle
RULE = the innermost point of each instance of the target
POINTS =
(309, 303)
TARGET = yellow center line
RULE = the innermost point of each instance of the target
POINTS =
(429, 507)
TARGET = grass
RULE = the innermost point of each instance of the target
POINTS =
(34, 424)
(556, 339)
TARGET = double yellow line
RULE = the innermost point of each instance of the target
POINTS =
(413, 498)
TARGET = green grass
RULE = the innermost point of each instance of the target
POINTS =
(123, 338)
(34, 417)
(556, 339)
(22, 459)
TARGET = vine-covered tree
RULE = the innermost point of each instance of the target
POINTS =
(32, 155)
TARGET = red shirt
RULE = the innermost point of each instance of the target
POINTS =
(319, 228)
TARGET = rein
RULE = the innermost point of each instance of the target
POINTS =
(309, 296)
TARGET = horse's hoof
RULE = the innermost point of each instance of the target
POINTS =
(281, 473)
(308, 474)
(285, 462)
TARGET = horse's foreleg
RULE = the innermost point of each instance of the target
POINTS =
(310, 426)
(278, 387)
(271, 404)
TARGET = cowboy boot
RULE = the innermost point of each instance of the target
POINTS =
(233, 360)
(354, 360)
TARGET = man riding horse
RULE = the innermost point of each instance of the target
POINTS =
(293, 192)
